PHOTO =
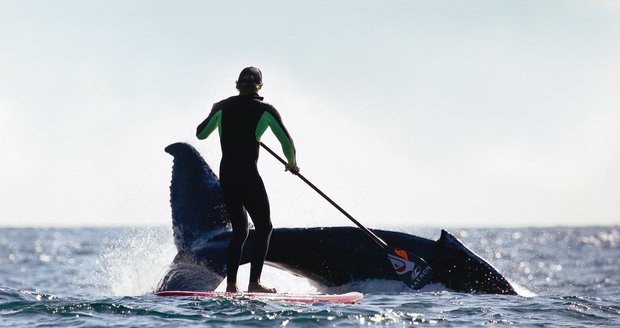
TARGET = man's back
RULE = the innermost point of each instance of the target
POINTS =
(240, 119)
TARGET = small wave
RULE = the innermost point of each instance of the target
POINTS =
(8, 295)
(29, 305)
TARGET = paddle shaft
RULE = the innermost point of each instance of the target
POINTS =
(370, 234)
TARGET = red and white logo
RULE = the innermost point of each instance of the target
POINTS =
(401, 266)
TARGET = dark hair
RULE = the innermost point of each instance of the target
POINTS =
(249, 87)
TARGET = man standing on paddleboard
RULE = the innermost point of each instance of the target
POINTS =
(241, 121)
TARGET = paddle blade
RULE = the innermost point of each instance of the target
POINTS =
(409, 268)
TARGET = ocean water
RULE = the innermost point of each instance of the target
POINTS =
(95, 277)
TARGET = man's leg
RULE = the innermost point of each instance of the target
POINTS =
(257, 204)
(239, 222)
(235, 248)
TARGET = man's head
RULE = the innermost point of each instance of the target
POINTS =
(250, 80)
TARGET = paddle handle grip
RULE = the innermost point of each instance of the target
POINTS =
(370, 234)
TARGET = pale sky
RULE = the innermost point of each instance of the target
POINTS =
(407, 113)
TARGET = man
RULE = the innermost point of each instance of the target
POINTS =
(241, 121)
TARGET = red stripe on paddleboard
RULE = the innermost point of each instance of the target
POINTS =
(351, 297)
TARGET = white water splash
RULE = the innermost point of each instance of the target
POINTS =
(286, 282)
(135, 263)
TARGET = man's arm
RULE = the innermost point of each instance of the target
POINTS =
(209, 124)
(273, 120)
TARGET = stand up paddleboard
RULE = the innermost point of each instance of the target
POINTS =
(351, 297)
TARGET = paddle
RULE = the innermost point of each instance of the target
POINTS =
(409, 268)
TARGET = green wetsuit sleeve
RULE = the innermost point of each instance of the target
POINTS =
(209, 124)
(278, 129)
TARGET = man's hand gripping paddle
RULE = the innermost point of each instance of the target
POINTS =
(409, 268)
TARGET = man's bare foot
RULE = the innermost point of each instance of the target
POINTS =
(256, 287)
(232, 288)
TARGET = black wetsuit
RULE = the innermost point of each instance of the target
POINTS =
(241, 121)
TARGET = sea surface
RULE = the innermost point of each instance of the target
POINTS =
(105, 277)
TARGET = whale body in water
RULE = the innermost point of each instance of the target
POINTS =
(328, 256)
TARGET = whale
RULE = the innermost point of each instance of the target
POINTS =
(327, 256)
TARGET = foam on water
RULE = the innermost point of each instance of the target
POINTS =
(286, 282)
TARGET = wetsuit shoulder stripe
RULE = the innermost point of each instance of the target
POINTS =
(278, 129)
(209, 124)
